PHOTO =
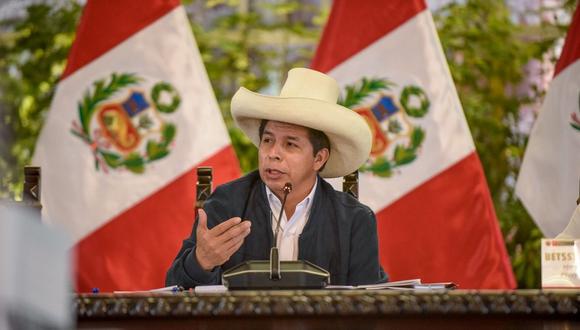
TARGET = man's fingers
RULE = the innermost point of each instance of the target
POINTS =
(235, 247)
(201, 220)
(220, 244)
(232, 243)
(241, 230)
(223, 241)
(236, 235)
(216, 245)
(224, 226)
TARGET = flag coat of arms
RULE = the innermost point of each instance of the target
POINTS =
(549, 177)
(132, 117)
(423, 179)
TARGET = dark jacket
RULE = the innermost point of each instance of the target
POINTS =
(340, 235)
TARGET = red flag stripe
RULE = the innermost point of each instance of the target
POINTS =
(460, 224)
(347, 30)
(108, 260)
(571, 51)
(116, 21)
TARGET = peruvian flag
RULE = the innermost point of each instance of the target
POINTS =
(549, 177)
(424, 180)
(133, 116)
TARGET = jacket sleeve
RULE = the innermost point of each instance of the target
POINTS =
(364, 266)
(185, 270)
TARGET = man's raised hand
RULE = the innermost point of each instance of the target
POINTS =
(215, 246)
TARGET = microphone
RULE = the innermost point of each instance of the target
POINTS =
(275, 274)
(287, 189)
(274, 253)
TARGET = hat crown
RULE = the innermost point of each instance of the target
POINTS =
(308, 98)
(310, 84)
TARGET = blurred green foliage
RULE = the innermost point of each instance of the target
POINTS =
(253, 44)
(33, 51)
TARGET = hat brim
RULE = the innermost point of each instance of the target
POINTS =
(349, 135)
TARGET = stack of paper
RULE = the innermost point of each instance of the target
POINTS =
(414, 284)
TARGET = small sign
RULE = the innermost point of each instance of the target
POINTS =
(560, 263)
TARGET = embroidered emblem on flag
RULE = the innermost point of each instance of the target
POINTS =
(131, 129)
(397, 138)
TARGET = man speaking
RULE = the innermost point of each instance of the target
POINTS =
(301, 135)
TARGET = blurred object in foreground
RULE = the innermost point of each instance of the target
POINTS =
(35, 271)
(548, 179)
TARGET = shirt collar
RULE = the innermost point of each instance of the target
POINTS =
(273, 199)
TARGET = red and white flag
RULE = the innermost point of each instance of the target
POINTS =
(550, 173)
(132, 117)
(424, 180)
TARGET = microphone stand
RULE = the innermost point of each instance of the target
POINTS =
(275, 274)
(274, 253)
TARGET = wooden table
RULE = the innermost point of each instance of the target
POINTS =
(332, 309)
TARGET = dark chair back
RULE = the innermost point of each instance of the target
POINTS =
(204, 185)
(205, 176)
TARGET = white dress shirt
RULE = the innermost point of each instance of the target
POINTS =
(290, 230)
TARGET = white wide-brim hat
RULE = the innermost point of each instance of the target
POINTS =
(308, 98)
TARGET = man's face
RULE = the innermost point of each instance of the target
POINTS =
(285, 155)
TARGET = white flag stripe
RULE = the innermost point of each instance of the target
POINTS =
(65, 158)
(548, 179)
(448, 139)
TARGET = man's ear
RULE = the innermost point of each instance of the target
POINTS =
(321, 158)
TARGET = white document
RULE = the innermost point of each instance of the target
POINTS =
(210, 289)
(406, 285)
(560, 263)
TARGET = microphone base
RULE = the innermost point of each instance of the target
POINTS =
(255, 275)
